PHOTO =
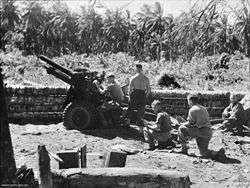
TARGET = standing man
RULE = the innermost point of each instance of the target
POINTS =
(139, 89)
(197, 126)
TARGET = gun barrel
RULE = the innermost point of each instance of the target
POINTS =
(55, 65)
(60, 75)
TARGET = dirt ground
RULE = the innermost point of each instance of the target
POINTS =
(202, 172)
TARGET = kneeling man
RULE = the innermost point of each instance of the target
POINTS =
(197, 126)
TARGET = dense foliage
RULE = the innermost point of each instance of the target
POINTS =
(148, 34)
(202, 73)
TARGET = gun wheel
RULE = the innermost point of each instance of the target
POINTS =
(77, 116)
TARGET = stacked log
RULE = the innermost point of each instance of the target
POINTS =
(44, 105)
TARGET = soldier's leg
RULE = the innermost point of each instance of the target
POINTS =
(203, 137)
(183, 135)
(131, 107)
(140, 114)
(228, 125)
(202, 144)
(149, 138)
(102, 117)
(165, 142)
(239, 126)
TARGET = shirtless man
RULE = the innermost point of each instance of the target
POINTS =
(139, 89)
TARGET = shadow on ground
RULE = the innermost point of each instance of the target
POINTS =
(220, 159)
(127, 133)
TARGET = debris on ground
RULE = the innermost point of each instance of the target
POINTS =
(202, 172)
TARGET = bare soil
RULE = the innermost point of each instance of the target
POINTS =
(202, 172)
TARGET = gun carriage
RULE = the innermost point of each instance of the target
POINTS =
(83, 97)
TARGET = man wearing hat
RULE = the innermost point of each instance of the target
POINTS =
(139, 89)
(114, 91)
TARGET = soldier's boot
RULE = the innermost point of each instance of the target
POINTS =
(219, 155)
(183, 150)
(151, 146)
(239, 130)
(166, 145)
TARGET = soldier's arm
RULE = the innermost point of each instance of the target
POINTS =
(98, 86)
(148, 89)
(131, 86)
(156, 125)
(226, 111)
(236, 112)
(190, 120)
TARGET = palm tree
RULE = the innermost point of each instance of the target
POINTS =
(33, 21)
(242, 28)
(116, 31)
(155, 25)
(9, 17)
(194, 29)
(90, 31)
(60, 30)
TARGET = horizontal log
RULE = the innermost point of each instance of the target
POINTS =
(38, 104)
(120, 178)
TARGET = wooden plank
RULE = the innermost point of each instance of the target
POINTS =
(70, 159)
(115, 159)
(45, 176)
(82, 157)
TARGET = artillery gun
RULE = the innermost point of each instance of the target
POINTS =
(83, 97)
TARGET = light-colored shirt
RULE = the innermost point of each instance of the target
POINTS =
(235, 111)
(115, 92)
(198, 116)
(140, 82)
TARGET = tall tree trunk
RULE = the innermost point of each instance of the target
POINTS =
(7, 161)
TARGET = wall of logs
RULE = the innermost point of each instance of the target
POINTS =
(44, 105)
